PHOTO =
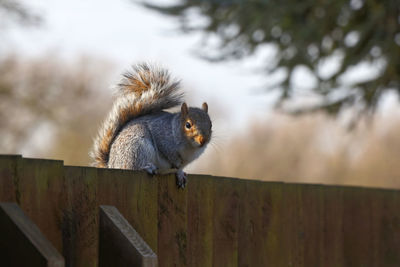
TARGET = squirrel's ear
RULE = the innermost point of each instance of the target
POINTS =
(184, 109)
(205, 107)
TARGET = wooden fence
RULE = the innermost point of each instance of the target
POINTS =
(213, 222)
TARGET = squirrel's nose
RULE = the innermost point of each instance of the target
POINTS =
(200, 139)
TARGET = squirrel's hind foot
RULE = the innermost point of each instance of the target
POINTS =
(181, 179)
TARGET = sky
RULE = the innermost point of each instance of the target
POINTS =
(125, 33)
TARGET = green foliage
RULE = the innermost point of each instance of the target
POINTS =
(306, 33)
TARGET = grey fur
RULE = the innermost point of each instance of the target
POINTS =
(149, 138)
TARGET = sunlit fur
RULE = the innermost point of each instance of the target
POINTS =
(145, 90)
(138, 134)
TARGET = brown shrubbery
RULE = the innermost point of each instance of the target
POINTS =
(312, 149)
(51, 108)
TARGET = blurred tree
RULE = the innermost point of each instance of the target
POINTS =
(305, 34)
(51, 108)
(48, 107)
(14, 11)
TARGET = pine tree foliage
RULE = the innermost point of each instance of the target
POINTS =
(306, 33)
(13, 10)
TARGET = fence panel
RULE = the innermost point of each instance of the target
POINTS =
(213, 222)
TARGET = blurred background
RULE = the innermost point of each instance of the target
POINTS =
(298, 91)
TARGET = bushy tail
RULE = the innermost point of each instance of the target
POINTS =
(145, 90)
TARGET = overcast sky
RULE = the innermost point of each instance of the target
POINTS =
(124, 33)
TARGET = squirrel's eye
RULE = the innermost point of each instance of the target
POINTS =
(188, 125)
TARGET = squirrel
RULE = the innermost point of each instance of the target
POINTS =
(139, 134)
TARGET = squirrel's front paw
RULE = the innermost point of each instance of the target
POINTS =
(181, 179)
(150, 169)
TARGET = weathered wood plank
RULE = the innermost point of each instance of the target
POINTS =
(200, 199)
(301, 234)
(259, 224)
(389, 228)
(120, 244)
(80, 221)
(311, 225)
(357, 228)
(137, 200)
(290, 230)
(41, 196)
(333, 226)
(226, 221)
(370, 237)
(22, 243)
(8, 172)
(172, 222)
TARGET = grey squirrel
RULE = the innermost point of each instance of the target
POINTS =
(139, 135)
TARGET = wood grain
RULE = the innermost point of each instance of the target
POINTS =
(172, 223)
(8, 173)
(213, 222)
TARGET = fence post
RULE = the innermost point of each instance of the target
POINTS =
(22, 243)
(120, 244)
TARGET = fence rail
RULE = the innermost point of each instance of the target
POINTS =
(213, 222)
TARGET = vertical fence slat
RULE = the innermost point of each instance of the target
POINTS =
(172, 223)
(226, 222)
(272, 210)
(291, 229)
(389, 229)
(376, 204)
(22, 243)
(39, 184)
(137, 200)
(200, 220)
(333, 227)
(8, 172)
(259, 222)
(312, 225)
(357, 242)
(120, 244)
(80, 222)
